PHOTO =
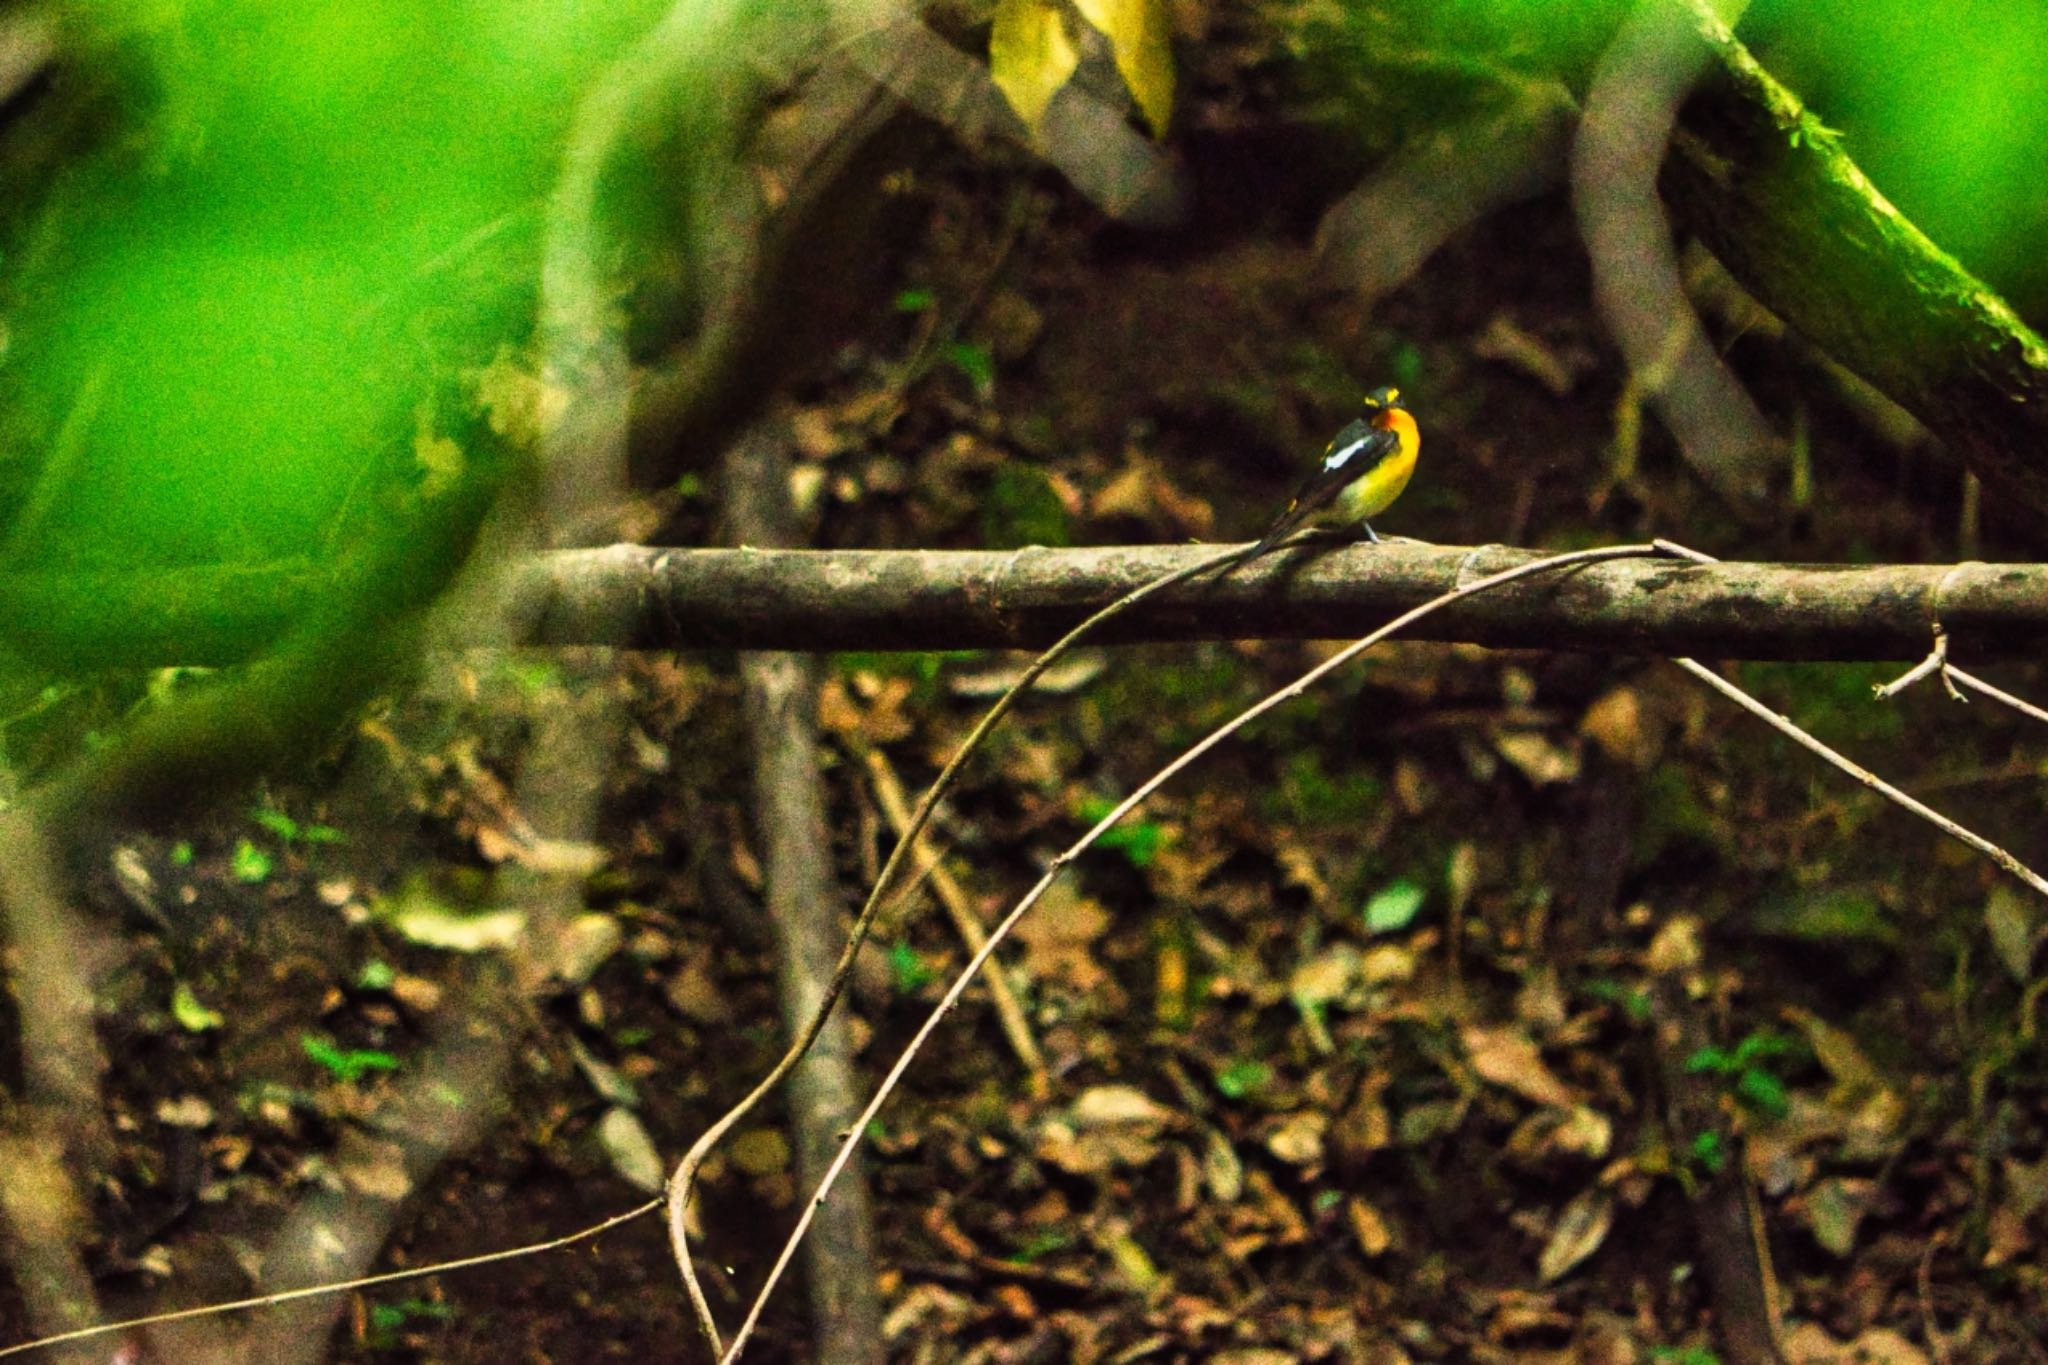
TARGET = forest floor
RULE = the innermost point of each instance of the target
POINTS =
(1363, 1043)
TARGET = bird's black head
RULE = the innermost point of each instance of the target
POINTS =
(1384, 397)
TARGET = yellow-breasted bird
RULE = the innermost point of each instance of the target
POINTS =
(1362, 472)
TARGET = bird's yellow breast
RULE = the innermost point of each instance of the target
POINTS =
(1374, 491)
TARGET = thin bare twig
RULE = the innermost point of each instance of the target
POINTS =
(1869, 779)
(1937, 659)
(946, 889)
(684, 1176)
(1997, 694)
(339, 1286)
(1059, 863)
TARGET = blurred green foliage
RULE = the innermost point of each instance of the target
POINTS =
(1021, 508)
(1311, 795)
(1944, 106)
(291, 227)
(255, 256)
(1833, 702)
(1138, 839)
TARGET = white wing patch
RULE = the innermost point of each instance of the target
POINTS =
(1344, 454)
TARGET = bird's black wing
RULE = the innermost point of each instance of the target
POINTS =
(1359, 447)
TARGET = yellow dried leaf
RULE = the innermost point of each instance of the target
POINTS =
(1580, 1230)
(1031, 55)
(1368, 1226)
(1507, 1057)
(1137, 31)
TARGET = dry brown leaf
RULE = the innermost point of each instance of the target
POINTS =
(1298, 1140)
(1104, 1106)
(1615, 723)
(1809, 1344)
(1579, 1231)
(1537, 757)
(1505, 1056)
(1676, 947)
(1368, 1227)
(1059, 937)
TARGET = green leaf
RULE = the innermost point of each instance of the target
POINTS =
(1394, 907)
(1763, 1045)
(1709, 1152)
(181, 853)
(192, 1016)
(278, 823)
(346, 1064)
(376, 975)
(252, 864)
(908, 970)
(1023, 508)
(1762, 1091)
(1240, 1079)
(915, 301)
(1634, 1001)
(1138, 840)
(1711, 1059)
(974, 360)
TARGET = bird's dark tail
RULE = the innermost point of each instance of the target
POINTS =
(1283, 526)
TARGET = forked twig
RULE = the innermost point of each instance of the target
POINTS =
(1869, 779)
(1864, 775)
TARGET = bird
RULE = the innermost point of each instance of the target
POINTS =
(1363, 470)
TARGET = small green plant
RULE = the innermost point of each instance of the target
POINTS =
(1309, 794)
(1394, 907)
(1745, 1071)
(908, 970)
(376, 975)
(1138, 840)
(251, 864)
(181, 853)
(346, 1064)
(290, 831)
(1683, 1355)
(1040, 1245)
(1707, 1153)
(1021, 507)
(387, 1320)
(974, 360)
(1632, 1001)
(1240, 1079)
(192, 1014)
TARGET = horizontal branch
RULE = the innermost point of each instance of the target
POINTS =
(652, 598)
(925, 600)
